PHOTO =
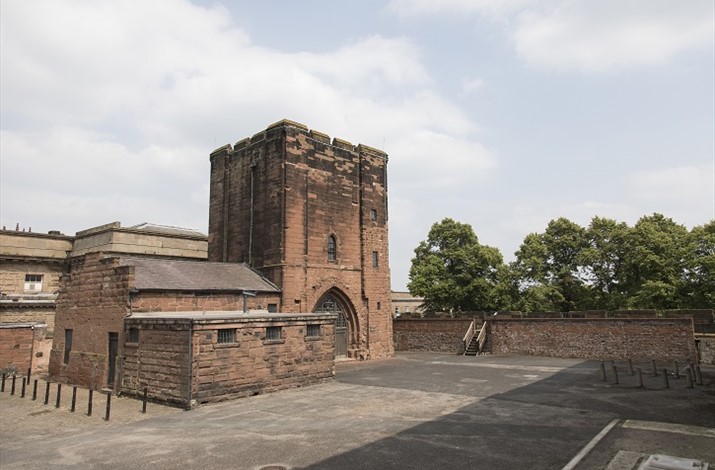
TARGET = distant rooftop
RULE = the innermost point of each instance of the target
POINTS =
(167, 229)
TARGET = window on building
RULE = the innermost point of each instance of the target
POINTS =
(133, 335)
(373, 215)
(226, 336)
(332, 248)
(272, 308)
(397, 309)
(68, 346)
(33, 282)
(313, 330)
(375, 259)
(379, 305)
(273, 333)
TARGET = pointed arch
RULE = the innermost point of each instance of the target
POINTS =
(334, 300)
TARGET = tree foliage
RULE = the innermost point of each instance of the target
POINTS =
(656, 264)
(454, 273)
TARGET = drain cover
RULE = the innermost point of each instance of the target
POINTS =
(666, 462)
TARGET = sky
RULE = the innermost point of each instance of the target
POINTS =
(503, 114)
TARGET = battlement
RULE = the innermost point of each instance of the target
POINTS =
(312, 134)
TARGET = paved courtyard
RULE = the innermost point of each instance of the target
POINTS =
(413, 411)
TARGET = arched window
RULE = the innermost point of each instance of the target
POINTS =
(332, 248)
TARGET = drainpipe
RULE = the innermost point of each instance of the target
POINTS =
(250, 233)
(246, 294)
(190, 364)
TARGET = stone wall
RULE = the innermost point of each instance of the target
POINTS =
(706, 348)
(439, 335)
(23, 347)
(93, 301)
(12, 276)
(275, 200)
(23, 313)
(149, 301)
(638, 339)
(208, 371)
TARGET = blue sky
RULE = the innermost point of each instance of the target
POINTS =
(502, 114)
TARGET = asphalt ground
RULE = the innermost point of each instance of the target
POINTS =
(413, 411)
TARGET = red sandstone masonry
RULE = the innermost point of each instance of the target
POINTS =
(637, 339)
(440, 335)
(180, 361)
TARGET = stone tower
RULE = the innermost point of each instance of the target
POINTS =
(311, 215)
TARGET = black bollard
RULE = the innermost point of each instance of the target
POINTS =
(698, 375)
(89, 403)
(676, 371)
(47, 393)
(12, 390)
(640, 377)
(34, 390)
(603, 372)
(109, 406)
(74, 398)
(689, 377)
(615, 373)
(59, 392)
(2, 388)
(630, 366)
(666, 384)
(144, 402)
(29, 373)
(24, 381)
(655, 371)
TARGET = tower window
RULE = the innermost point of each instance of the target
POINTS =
(373, 215)
(332, 249)
(375, 259)
(33, 282)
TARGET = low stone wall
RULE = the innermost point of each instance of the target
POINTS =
(430, 334)
(187, 359)
(637, 339)
(706, 349)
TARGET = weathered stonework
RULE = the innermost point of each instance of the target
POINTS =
(24, 347)
(277, 197)
(439, 335)
(179, 358)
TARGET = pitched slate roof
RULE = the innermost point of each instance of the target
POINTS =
(163, 274)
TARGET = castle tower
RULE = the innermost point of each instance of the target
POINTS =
(311, 215)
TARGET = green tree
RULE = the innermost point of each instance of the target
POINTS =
(654, 264)
(602, 262)
(453, 272)
(549, 266)
(700, 267)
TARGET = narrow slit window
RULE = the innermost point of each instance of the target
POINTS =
(375, 259)
(332, 248)
(68, 346)
(133, 336)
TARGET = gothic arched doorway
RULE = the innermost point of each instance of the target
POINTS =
(331, 303)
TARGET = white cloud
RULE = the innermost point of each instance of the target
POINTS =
(112, 107)
(472, 84)
(586, 35)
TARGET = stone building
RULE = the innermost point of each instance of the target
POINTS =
(310, 214)
(101, 291)
(32, 266)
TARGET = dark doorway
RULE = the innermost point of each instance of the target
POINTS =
(112, 369)
(329, 304)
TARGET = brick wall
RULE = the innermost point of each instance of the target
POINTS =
(441, 335)
(274, 201)
(638, 339)
(23, 347)
(250, 365)
(706, 348)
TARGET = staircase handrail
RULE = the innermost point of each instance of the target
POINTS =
(471, 331)
(482, 338)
